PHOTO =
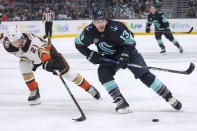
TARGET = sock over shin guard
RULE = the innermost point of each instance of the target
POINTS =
(77, 79)
(112, 89)
(30, 81)
(80, 81)
(152, 82)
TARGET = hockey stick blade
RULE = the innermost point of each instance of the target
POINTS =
(191, 30)
(186, 32)
(190, 69)
(82, 118)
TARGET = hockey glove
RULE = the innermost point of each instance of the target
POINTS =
(123, 60)
(95, 57)
(50, 65)
(147, 29)
(35, 66)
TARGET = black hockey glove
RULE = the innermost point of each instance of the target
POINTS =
(95, 57)
(123, 60)
(50, 65)
(35, 66)
(147, 29)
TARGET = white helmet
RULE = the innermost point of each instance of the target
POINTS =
(14, 34)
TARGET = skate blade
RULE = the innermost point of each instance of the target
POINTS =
(100, 98)
(35, 102)
(125, 110)
(163, 53)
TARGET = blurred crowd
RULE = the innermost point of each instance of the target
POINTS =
(192, 9)
(27, 10)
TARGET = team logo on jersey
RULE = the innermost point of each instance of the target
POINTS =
(100, 12)
(114, 28)
(106, 48)
(88, 27)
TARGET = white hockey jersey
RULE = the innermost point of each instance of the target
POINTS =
(30, 52)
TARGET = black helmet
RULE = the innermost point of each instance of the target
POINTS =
(98, 13)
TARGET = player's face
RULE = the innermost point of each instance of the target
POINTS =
(153, 10)
(47, 9)
(100, 24)
(18, 43)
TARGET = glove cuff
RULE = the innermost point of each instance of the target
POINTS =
(44, 65)
(91, 55)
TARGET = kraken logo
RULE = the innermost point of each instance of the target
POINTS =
(106, 48)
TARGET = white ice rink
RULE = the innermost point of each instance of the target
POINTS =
(57, 108)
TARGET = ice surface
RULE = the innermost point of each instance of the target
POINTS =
(57, 109)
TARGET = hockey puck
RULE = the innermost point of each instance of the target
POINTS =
(155, 120)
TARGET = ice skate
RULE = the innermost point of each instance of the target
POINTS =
(44, 37)
(180, 49)
(34, 98)
(175, 103)
(122, 105)
(163, 51)
(94, 92)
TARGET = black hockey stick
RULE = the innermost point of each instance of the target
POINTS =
(187, 72)
(83, 117)
(176, 32)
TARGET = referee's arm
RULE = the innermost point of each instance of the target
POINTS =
(43, 17)
(0, 17)
(53, 15)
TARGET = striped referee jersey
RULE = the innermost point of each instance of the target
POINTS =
(48, 16)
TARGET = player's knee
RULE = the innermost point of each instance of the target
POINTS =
(157, 36)
(70, 75)
(25, 67)
(148, 79)
(105, 75)
(63, 68)
(170, 37)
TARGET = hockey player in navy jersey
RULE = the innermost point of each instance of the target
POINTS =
(115, 41)
(161, 28)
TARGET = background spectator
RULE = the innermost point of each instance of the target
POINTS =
(17, 10)
(192, 13)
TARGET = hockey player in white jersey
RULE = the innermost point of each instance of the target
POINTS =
(33, 52)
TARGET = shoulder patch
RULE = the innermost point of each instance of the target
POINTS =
(88, 27)
(114, 28)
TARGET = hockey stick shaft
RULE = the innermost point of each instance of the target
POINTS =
(176, 32)
(83, 117)
(188, 71)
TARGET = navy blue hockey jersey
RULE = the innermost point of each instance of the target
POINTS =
(111, 42)
(159, 20)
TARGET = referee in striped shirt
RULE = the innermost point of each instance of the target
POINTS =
(0, 16)
(48, 17)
